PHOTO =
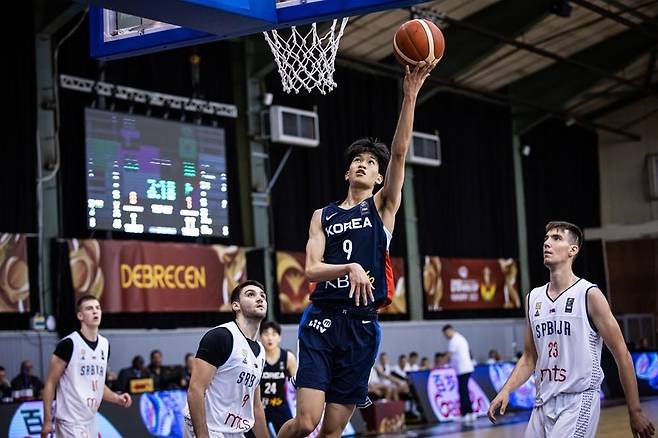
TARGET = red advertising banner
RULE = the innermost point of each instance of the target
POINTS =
(295, 289)
(458, 284)
(14, 274)
(131, 276)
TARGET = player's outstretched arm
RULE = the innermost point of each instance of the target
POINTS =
(260, 422)
(196, 393)
(521, 373)
(389, 197)
(57, 368)
(608, 328)
(123, 400)
(317, 270)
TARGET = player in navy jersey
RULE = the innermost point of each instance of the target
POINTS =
(280, 364)
(347, 257)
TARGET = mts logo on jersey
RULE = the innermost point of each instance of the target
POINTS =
(354, 224)
(235, 421)
(320, 326)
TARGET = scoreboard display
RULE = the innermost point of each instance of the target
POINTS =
(149, 175)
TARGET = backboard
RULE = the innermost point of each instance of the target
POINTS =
(118, 29)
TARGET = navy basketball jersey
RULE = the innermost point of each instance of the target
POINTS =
(273, 382)
(358, 236)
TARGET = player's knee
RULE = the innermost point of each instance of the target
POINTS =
(307, 424)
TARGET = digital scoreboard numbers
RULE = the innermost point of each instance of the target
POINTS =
(147, 175)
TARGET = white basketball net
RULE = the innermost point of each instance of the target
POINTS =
(306, 60)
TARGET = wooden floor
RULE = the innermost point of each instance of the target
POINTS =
(613, 424)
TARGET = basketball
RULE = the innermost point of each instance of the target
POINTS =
(418, 40)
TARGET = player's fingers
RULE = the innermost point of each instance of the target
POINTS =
(352, 286)
(371, 295)
(406, 70)
(357, 294)
(503, 406)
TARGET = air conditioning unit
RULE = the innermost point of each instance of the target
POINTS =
(652, 171)
(425, 149)
(294, 126)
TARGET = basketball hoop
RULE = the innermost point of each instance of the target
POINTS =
(306, 60)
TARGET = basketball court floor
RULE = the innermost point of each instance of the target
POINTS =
(613, 424)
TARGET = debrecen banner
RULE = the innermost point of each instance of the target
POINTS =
(295, 289)
(136, 276)
(14, 274)
(461, 284)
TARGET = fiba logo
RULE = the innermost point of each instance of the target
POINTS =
(462, 271)
(320, 326)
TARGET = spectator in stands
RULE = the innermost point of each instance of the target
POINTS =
(155, 369)
(412, 365)
(136, 371)
(441, 360)
(399, 369)
(379, 390)
(187, 371)
(28, 385)
(460, 359)
(385, 374)
(424, 364)
(494, 357)
(5, 386)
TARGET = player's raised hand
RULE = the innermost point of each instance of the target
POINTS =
(360, 287)
(641, 426)
(47, 429)
(499, 403)
(414, 79)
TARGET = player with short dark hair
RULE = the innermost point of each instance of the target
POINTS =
(223, 399)
(347, 257)
(280, 365)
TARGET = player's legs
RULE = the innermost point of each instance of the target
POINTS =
(578, 415)
(465, 404)
(335, 420)
(310, 404)
(65, 429)
(536, 426)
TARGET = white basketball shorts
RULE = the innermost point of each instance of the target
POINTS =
(566, 415)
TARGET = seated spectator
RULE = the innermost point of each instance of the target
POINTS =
(494, 357)
(155, 369)
(26, 386)
(398, 370)
(424, 364)
(385, 376)
(378, 390)
(136, 371)
(5, 386)
(412, 365)
(187, 371)
(441, 360)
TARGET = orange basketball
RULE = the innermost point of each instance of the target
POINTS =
(418, 40)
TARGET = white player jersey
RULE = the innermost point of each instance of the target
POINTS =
(568, 347)
(230, 395)
(80, 390)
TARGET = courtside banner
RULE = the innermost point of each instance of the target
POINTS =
(14, 273)
(294, 288)
(134, 276)
(461, 284)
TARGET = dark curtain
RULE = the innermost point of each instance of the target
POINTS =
(19, 157)
(561, 180)
(466, 207)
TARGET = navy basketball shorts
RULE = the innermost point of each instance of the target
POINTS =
(337, 349)
(276, 417)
